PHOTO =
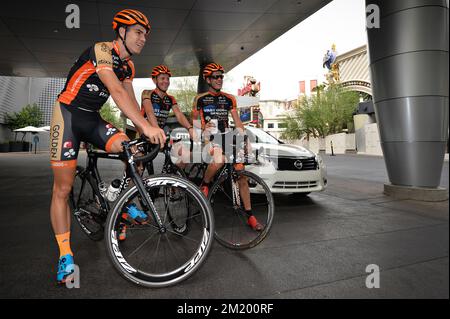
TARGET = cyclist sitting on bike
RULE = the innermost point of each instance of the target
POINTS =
(156, 106)
(210, 114)
(102, 70)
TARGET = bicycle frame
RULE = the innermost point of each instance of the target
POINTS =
(131, 173)
(226, 171)
(91, 168)
(136, 178)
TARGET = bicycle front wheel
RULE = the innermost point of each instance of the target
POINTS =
(152, 256)
(232, 222)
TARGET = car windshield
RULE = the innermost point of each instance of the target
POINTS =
(259, 136)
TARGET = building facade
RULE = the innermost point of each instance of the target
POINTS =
(17, 92)
(274, 112)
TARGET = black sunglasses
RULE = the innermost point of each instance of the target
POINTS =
(216, 77)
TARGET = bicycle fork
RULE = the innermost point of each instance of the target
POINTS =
(236, 193)
(145, 197)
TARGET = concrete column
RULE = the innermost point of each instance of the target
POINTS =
(410, 78)
(202, 86)
(360, 121)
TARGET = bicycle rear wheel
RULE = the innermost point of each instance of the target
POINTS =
(154, 257)
(232, 229)
(85, 202)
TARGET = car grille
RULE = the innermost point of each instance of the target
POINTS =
(288, 164)
(296, 185)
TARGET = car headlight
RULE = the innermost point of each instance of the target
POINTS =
(319, 161)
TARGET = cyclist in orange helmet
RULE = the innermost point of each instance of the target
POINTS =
(157, 104)
(210, 114)
(129, 18)
(101, 70)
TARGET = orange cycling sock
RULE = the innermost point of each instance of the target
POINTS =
(64, 244)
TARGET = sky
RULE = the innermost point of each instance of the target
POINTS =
(298, 52)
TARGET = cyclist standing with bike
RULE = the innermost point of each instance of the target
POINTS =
(210, 114)
(102, 70)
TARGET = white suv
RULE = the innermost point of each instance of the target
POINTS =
(286, 168)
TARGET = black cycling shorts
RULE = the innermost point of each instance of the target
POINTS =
(72, 125)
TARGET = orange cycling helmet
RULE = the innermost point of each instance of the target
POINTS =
(130, 17)
(160, 69)
(212, 67)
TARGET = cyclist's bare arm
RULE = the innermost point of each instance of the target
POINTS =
(196, 121)
(237, 121)
(129, 106)
(181, 118)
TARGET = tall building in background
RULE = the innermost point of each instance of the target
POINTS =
(17, 92)
(48, 96)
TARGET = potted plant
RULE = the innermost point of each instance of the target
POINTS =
(30, 115)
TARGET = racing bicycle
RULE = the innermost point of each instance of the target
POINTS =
(231, 228)
(171, 245)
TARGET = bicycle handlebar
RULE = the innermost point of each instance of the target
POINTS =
(144, 158)
(149, 156)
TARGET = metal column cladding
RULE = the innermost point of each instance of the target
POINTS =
(202, 85)
(410, 78)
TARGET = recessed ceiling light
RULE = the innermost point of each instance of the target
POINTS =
(55, 31)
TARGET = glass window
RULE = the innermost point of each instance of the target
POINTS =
(257, 135)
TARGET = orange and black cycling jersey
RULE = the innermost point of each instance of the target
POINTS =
(161, 105)
(83, 87)
(214, 106)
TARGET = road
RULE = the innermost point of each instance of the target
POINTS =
(319, 246)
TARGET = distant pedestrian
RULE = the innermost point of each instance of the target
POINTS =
(35, 142)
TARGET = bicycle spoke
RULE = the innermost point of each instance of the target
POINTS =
(145, 256)
(181, 218)
(142, 245)
(171, 247)
(156, 250)
(241, 213)
(142, 227)
(225, 193)
(184, 236)
(260, 204)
